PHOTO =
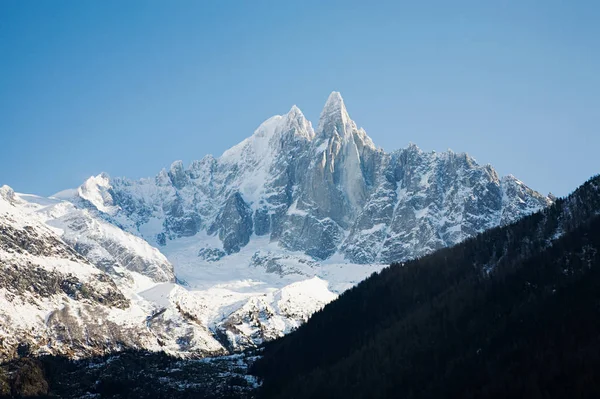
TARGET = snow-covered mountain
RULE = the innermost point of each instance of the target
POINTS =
(229, 251)
(53, 299)
(324, 193)
(72, 283)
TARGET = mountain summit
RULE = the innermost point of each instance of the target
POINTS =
(334, 117)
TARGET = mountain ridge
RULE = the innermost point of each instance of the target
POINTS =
(291, 178)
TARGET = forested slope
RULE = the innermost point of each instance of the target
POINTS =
(512, 312)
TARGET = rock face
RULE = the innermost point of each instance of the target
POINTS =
(234, 224)
(323, 192)
(426, 201)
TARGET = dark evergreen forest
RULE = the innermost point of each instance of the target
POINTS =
(513, 312)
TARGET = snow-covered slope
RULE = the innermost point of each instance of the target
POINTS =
(104, 244)
(54, 300)
(272, 315)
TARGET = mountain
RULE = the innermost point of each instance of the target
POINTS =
(73, 293)
(512, 312)
(228, 252)
(326, 193)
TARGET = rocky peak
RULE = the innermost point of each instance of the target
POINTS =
(177, 175)
(362, 140)
(162, 179)
(97, 191)
(335, 118)
(7, 193)
(202, 168)
(296, 122)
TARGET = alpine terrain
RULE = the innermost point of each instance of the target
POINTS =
(228, 252)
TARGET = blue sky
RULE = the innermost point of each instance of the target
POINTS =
(129, 87)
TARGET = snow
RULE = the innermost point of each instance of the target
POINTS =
(65, 194)
(215, 291)
(61, 216)
(254, 157)
(160, 294)
(374, 229)
(420, 213)
(322, 148)
(304, 297)
(293, 210)
(274, 314)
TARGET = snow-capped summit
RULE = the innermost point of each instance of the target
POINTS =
(267, 138)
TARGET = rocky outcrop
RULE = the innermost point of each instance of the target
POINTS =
(234, 224)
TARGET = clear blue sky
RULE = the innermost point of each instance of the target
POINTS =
(127, 87)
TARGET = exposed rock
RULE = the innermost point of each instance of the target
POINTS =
(211, 254)
(234, 224)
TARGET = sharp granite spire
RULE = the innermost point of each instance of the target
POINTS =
(334, 118)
